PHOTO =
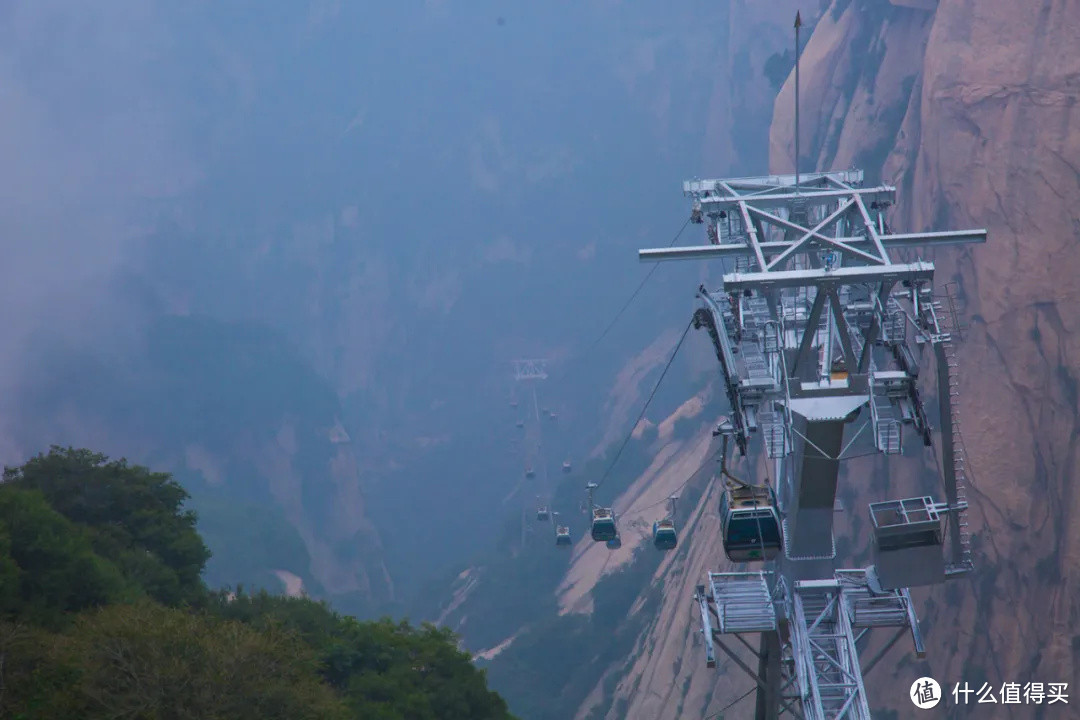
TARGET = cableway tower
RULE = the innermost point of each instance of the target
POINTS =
(821, 335)
(528, 373)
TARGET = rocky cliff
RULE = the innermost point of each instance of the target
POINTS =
(969, 109)
(983, 134)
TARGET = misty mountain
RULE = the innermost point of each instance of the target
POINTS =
(406, 198)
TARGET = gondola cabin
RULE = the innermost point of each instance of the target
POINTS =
(664, 535)
(521, 423)
(530, 473)
(615, 543)
(562, 535)
(603, 524)
(566, 467)
(542, 513)
(750, 524)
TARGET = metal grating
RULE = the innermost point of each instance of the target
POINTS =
(743, 602)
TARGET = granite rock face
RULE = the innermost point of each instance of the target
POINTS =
(969, 109)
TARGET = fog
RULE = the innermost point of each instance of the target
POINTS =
(409, 195)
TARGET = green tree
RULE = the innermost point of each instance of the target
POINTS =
(134, 517)
(147, 661)
(386, 670)
(92, 555)
(47, 564)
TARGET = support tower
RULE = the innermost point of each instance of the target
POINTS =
(820, 334)
(534, 480)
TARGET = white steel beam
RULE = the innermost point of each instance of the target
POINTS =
(900, 240)
(837, 276)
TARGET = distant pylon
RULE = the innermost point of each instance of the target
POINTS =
(530, 370)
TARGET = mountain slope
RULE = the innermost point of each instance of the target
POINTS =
(253, 432)
(990, 138)
(980, 132)
(948, 122)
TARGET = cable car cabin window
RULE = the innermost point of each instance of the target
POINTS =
(752, 530)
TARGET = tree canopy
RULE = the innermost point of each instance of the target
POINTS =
(103, 614)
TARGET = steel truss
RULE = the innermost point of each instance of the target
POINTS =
(816, 321)
(530, 370)
(810, 639)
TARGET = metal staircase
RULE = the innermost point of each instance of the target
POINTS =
(757, 367)
(756, 316)
(743, 602)
(881, 608)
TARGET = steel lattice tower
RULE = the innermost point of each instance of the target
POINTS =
(819, 332)
(529, 372)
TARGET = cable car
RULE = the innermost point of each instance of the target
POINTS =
(750, 523)
(521, 423)
(566, 466)
(615, 543)
(664, 535)
(603, 524)
(513, 403)
(562, 536)
(553, 415)
(542, 513)
(530, 473)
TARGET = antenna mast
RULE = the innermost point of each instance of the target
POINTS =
(798, 24)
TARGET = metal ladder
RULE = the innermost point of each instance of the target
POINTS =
(894, 322)
(959, 451)
(774, 433)
(947, 313)
(772, 337)
(886, 429)
(755, 316)
(743, 602)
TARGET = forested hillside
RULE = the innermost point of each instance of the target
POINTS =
(105, 615)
